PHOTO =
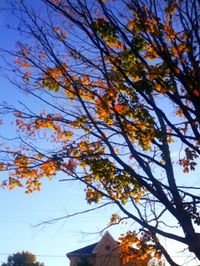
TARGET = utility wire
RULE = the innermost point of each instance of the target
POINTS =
(39, 255)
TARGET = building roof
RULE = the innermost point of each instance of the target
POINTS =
(93, 248)
(83, 251)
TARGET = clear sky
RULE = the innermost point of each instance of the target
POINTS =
(19, 212)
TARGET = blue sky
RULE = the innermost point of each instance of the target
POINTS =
(19, 212)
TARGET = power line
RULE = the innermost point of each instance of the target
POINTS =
(62, 256)
(38, 255)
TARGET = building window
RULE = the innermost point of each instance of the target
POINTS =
(107, 248)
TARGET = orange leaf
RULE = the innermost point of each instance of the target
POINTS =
(118, 107)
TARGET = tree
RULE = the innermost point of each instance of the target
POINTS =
(23, 258)
(121, 84)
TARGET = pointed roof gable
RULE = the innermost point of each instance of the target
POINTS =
(108, 243)
(105, 241)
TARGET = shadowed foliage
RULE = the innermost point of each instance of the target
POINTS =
(23, 258)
